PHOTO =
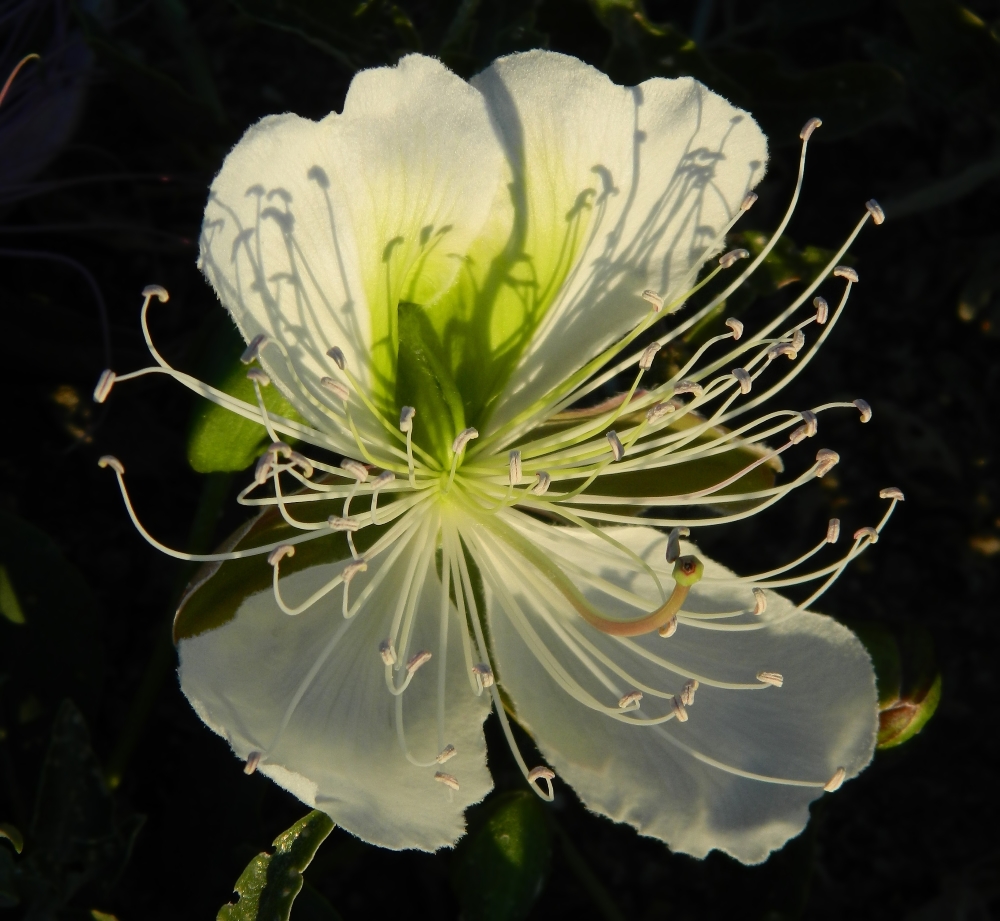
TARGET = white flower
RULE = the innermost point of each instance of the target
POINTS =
(433, 279)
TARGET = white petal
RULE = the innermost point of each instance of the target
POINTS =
(339, 751)
(643, 179)
(315, 230)
(680, 782)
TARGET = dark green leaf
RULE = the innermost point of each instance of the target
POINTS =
(220, 441)
(11, 833)
(76, 838)
(268, 886)
(10, 606)
(55, 650)
(501, 866)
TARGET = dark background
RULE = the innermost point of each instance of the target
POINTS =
(106, 151)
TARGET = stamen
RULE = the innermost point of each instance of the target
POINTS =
(253, 759)
(653, 298)
(462, 439)
(822, 310)
(447, 779)
(417, 660)
(781, 348)
(514, 476)
(383, 479)
(743, 379)
(809, 127)
(258, 377)
(263, 469)
(845, 271)
(868, 532)
(798, 340)
(447, 753)
(864, 409)
(674, 543)
(406, 415)
(875, 210)
(630, 701)
(679, 711)
(748, 202)
(109, 460)
(337, 523)
(104, 384)
(358, 470)
(660, 410)
(646, 361)
(732, 257)
(892, 492)
(833, 531)
(616, 445)
(278, 449)
(826, 461)
(387, 651)
(544, 774)
(669, 628)
(542, 483)
(811, 421)
(483, 675)
(689, 387)
(303, 462)
(337, 354)
(800, 434)
(834, 782)
(736, 325)
(687, 695)
(335, 387)
(352, 569)
(759, 602)
(253, 348)
(279, 553)
(772, 678)
(157, 291)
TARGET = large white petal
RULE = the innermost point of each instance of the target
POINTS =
(676, 781)
(315, 230)
(339, 749)
(636, 182)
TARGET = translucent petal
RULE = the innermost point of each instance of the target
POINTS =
(338, 748)
(617, 190)
(314, 231)
(683, 782)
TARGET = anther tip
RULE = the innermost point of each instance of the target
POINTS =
(109, 460)
(736, 326)
(845, 271)
(864, 408)
(157, 291)
(653, 298)
(104, 384)
(809, 127)
(339, 359)
(258, 376)
(733, 256)
(892, 492)
(253, 759)
(875, 210)
(834, 782)
(279, 553)
(748, 201)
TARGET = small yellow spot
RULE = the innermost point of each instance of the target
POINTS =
(10, 606)
(986, 544)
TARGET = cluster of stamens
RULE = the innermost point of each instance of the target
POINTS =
(401, 505)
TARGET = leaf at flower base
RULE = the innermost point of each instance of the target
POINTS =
(268, 886)
(909, 683)
(500, 867)
(219, 441)
(11, 833)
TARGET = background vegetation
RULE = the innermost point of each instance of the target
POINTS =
(128, 806)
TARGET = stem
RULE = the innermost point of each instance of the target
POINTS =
(214, 490)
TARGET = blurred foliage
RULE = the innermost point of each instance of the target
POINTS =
(269, 885)
(107, 147)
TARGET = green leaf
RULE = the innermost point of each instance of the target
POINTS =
(268, 886)
(219, 441)
(500, 867)
(10, 607)
(424, 382)
(11, 833)
(77, 838)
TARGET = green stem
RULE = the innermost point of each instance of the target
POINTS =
(214, 490)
